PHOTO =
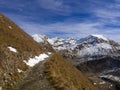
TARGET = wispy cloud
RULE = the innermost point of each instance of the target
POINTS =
(57, 6)
(51, 4)
(66, 18)
(108, 13)
(65, 29)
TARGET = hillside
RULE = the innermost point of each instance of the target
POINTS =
(13, 35)
(64, 76)
(60, 74)
(15, 46)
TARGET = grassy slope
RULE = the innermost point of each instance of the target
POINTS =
(15, 36)
(12, 35)
(64, 76)
(55, 73)
(36, 79)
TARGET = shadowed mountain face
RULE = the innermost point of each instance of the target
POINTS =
(28, 65)
(98, 66)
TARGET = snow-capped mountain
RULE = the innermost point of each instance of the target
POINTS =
(90, 46)
(57, 43)
(94, 54)
(96, 45)
(39, 38)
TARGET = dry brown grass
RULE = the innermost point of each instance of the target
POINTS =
(16, 37)
(64, 76)
(12, 35)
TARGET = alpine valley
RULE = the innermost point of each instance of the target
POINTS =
(38, 62)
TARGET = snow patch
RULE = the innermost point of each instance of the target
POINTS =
(104, 45)
(100, 37)
(49, 53)
(51, 41)
(38, 38)
(33, 61)
(62, 44)
(19, 70)
(115, 78)
(12, 49)
(0, 88)
(56, 41)
(102, 82)
(95, 50)
(10, 27)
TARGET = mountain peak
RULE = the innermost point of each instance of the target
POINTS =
(99, 36)
(39, 37)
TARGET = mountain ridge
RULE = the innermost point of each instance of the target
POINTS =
(90, 45)
(16, 48)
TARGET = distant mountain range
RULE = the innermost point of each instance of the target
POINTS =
(94, 55)
(90, 47)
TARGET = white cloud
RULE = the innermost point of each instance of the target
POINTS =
(109, 14)
(50, 4)
(54, 5)
(60, 27)
(104, 13)
(76, 30)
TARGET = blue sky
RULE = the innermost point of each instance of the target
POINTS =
(65, 18)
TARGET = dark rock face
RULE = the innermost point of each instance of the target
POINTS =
(99, 66)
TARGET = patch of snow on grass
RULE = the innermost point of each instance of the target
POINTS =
(10, 27)
(19, 70)
(0, 88)
(49, 53)
(102, 82)
(12, 49)
(33, 61)
(111, 85)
